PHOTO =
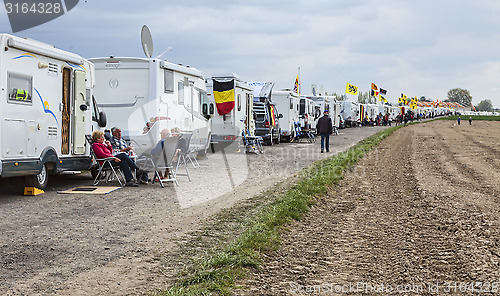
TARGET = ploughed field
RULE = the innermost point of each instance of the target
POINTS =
(419, 215)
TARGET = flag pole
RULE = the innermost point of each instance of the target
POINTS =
(298, 88)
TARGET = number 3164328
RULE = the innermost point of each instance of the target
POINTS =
(42, 8)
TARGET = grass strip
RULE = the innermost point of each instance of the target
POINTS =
(474, 117)
(216, 272)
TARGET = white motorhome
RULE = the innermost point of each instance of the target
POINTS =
(350, 113)
(320, 105)
(372, 110)
(229, 127)
(145, 95)
(334, 111)
(306, 112)
(47, 109)
(288, 103)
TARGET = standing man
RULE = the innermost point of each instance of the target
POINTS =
(470, 120)
(324, 128)
(458, 120)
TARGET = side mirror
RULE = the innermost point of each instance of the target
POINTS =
(102, 121)
(212, 109)
(280, 115)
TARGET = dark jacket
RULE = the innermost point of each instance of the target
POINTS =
(324, 125)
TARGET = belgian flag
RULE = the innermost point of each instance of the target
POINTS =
(273, 115)
(224, 96)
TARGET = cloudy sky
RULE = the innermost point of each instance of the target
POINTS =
(420, 48)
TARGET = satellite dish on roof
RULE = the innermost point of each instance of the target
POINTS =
(147, 41)
(314, 89)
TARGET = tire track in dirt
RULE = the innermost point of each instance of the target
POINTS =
(490, 159)
(460, 173)
(475, 212)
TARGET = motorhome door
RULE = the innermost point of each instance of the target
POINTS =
(65, 109)
(73, 117)
(79, 114)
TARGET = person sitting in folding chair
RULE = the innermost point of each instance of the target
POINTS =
(158, 149)
(120, 145)
(161, 157)
(182, 146)
(103, 149)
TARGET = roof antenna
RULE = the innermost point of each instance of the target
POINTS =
(170, 48)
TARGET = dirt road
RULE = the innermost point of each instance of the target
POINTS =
(56, 244)
(419, 215)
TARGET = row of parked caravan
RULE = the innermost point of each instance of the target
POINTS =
(54, 98)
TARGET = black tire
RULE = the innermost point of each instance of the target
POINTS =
(39, 181)
(269, 142)
(203, 153)
(271, 139)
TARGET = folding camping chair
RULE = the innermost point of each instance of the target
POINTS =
(161, 161)
(303, 133)
(189, 151)
(183, 154)
(105, 170)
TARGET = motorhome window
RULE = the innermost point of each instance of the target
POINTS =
(317, 112)
(94, 110)
(239, 102)
(169, 81)
(202, 96)
(302, 109)
(291, 103)
(180, 85)
(19, 89)
(87, 96)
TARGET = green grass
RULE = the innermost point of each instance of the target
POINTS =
(474, 117)
(216, 272)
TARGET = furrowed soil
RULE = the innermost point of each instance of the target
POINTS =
(419, 215)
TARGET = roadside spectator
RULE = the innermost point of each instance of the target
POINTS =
(103, 149)
(182, 142)
(324, 128)
(157, 150)
(470, 120)
(458, 120)
(120, 145)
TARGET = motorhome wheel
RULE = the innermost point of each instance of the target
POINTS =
(40, 180)
(271, 138)
(203, 153)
